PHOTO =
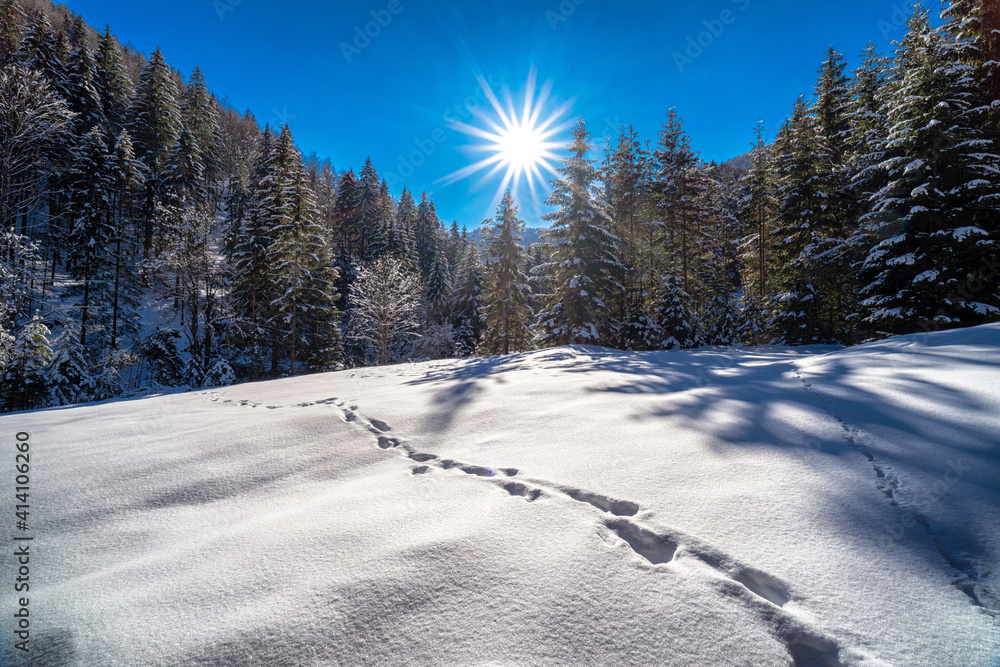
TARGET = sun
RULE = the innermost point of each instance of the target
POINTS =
(519, 144)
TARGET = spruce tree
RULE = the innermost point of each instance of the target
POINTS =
(467, 302)
(506, 313)
(92, 232)
(11, 20)
(154, 125)
(24, 371)
(406, 222)
(583, 254)
(68, 375)
(937, 214)
(113, 84)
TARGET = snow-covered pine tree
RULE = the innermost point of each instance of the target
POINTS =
(800, 152)
(671, 312)
(837, 219)
(11, 20)
(37, 51)
(91, 235)
(626, 191)
(974, 25)
(27, 356)
(758, 209)
(129, 175)
(406, 222)
(679, 183)
(82, 94)
(467, 303)
(372, 222)
(426, 236)
(200, 118)
(583, 257)
(154, 125)
(248, 264)
(937, 216)
(720, 274)
(506, 313)
(68, 376)
(438, 291)
(114, 87)
(304, 316)
(349, 200)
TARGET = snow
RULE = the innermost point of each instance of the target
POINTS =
(575, 506)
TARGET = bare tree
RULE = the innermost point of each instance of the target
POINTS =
(384, 302)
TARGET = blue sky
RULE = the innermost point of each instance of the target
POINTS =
(615, 62)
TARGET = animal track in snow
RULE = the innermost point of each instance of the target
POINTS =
(380, 425)
(518, 489)
(806, 646)
(603, 503)
(657, 549)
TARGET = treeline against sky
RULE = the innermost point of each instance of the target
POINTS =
(151, 236)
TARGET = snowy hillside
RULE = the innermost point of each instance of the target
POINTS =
(575, 506)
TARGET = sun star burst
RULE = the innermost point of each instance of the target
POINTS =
(519, 144)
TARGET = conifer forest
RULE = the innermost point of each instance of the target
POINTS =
(131, 196)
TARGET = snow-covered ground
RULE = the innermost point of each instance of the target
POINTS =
(575, 506)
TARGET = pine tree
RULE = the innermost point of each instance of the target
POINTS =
(249, 270)
(467, 303)
(349, 201)
(974, 25)
(373, 221)
(11, 20)
(129, 176)
(114, 87)
(154, 125)
(92, 232)
(439, 291)
(937, 214)
(759, 206)
(797, 239)
(68, 375)
(384, 305)
(678, 184)
(82, 93)
(583, 254)
(670, 310)
(406, 222)
(304, 313)
(626, 191)
(506, 313)
(426, 236)
(23, 373)
(200, 119)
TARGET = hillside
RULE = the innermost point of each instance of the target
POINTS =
(575, 506)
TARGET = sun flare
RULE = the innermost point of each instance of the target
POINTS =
(519, 144)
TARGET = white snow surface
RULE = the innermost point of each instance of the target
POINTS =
(575, 506)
